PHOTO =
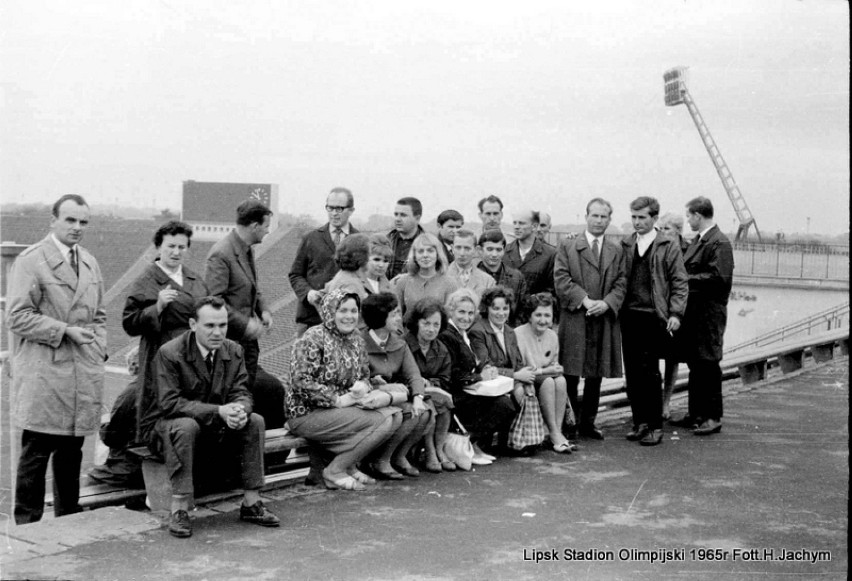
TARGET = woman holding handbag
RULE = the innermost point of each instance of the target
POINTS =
(330, 400)
(494, 341)
(539, 348)
(481, 415)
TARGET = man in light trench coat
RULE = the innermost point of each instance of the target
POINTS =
(57, 321)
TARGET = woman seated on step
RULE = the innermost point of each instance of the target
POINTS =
(330, 400)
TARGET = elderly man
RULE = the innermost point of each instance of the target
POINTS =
(314, 264)
(203, 403)
(530, 255)
(544, 225)
(651, 313)
(57, 319)
(590, 285)
(232, 275)
(709, 262)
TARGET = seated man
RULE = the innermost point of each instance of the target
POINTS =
(119, 433)
(203, 401)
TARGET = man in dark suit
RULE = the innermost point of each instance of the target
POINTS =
(232, 276)
(203, 401)
(314, 264)
(530, 255)
(406, 227)
(651, 313)
(709, 262)
(590, 285)
(492, 248)
(449, 222)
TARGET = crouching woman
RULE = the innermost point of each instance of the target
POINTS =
(329, 398)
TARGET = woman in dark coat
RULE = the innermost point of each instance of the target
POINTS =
(159, 306)
(481, 415)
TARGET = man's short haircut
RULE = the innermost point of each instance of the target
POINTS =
(598, 201)
(251, 212)
(462, 233)
(448, 215)
(215, 302)
(492, 294)
(427, 239)
(353, 252)
(413, 203)
(492, 199)
(376, 308)
(459, 296)
(79, 200)
(700, 205)
(350, 199)
(423, 309)
(173, 228)
(672, 218)
(646, 202)
(380, 246)
(492, 236)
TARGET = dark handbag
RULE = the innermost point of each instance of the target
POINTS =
(528, 426)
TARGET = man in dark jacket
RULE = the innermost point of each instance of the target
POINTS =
(709, 263)
(590, 286)
(531, 255)
(653, 307)
(406, 227)
(203, 401)
(314, 264)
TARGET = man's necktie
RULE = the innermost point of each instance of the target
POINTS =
(209, 361)
(596, 250)
(73, 260)
(338, 236)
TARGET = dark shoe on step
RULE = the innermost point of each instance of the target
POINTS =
(637, 433)
(179, 524)
(652, 438)
(591, 433)
(259, 515)
(708, 427)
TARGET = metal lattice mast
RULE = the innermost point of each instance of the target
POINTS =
(676, 94)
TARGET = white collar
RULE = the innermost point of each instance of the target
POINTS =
(204, 351)
(591, 237)
(63, 248)
(344, 229)
(701, 233)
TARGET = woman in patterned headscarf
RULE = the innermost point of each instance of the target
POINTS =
(330, 401)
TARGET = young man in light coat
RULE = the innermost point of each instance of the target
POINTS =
(57, 320)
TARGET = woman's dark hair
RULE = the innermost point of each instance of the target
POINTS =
(353, 252)
(532, 302)
(173, 228)
(423, 309)
(376, 308)
(492, 294)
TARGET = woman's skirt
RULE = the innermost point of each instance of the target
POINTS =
(339, 430)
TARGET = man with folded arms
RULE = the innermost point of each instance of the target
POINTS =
(204, 404)
(653, 308)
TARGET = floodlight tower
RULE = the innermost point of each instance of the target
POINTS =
(676, 94)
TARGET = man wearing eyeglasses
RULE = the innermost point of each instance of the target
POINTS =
(314, 264)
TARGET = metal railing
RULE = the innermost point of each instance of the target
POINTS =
(805, 261)
(833, 318)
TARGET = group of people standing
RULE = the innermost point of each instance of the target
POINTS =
(394, 334)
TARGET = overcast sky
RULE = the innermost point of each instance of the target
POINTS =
(544, 104)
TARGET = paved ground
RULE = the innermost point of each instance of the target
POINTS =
(725, 507)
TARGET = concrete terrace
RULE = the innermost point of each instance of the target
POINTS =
(764, 499)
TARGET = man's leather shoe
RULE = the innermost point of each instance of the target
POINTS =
(708, 427)
(652, 438)
(637, 433)
(591, 433)
(686, 421)
(179, 524)
(259, 515)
